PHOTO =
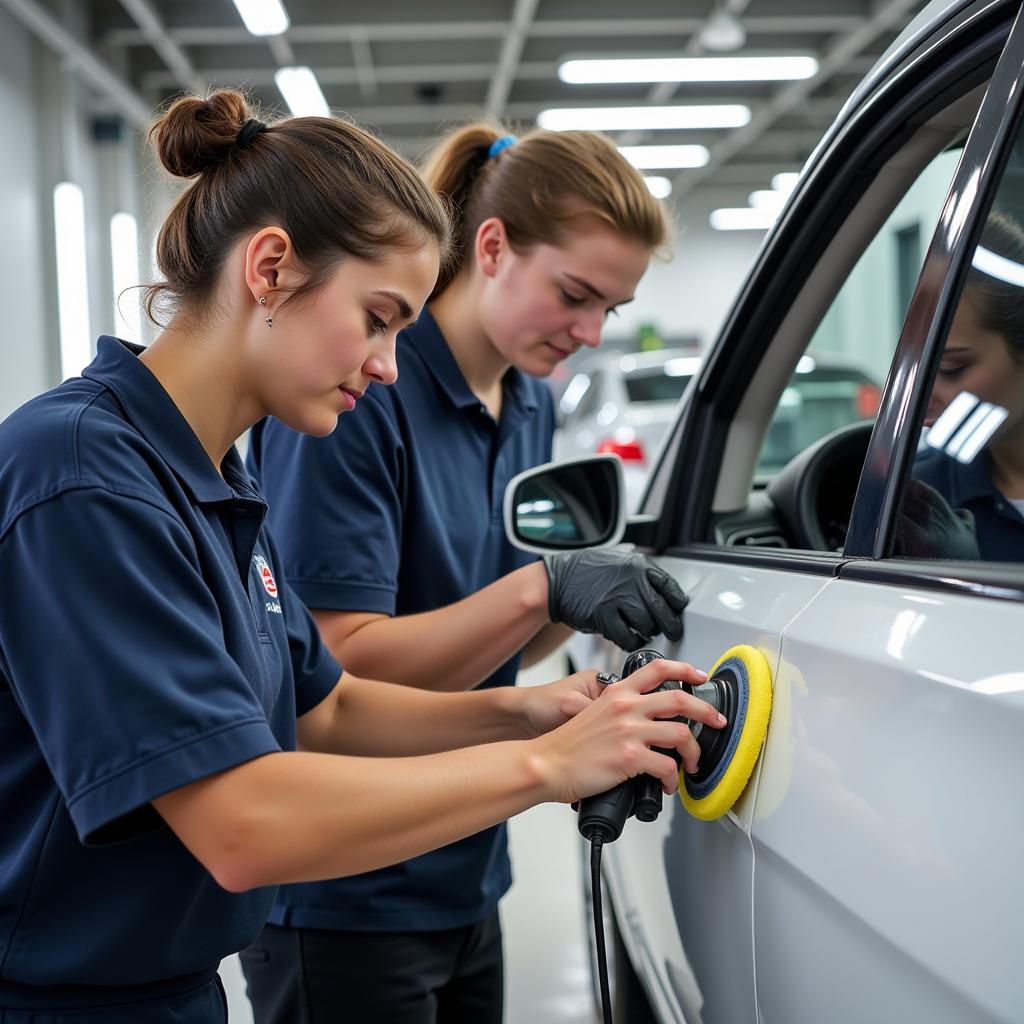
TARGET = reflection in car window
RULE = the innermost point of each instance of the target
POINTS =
(838, 380)
(965, 497)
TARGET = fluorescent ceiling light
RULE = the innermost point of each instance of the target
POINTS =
(660, 188)
(687, 69)
(124, 255)
(263, 17)
(301, 91)
(785, 182)
(766, 199)
(655, 157)
(743, 218)
(610, 119)
(965, 426)
(951, 418)
(997, 266)
(983, 429)
(72, 279)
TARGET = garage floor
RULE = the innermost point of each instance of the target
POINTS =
(547, 978)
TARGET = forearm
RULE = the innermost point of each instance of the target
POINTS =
(370, 718)
(298, 817)
(545, 642)
(451, 648)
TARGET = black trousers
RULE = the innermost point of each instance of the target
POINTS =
(309, 976)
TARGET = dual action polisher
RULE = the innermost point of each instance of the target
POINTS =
(740, 687)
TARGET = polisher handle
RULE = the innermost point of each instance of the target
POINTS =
(605, 814)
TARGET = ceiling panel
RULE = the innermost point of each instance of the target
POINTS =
(411, 68)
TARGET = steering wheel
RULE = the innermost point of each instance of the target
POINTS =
(814, 491)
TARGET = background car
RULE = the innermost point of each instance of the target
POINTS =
(624, 403)
(869, 871)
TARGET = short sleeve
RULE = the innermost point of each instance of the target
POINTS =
(337, 506)
(114, 649)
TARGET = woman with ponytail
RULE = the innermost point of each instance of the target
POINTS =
(391, 532)
(175, 739)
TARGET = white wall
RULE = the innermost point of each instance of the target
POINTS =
(690, 295)
(25, 355)
(46, 137)
(866, 318)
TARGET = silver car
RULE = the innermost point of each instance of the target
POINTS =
(871, 869)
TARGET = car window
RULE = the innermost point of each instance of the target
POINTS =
(838, 380)
(964, 499)
(655, 386)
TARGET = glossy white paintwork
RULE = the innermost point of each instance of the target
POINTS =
(689, 882)
(887, 828)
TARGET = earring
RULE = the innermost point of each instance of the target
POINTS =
(269, 321)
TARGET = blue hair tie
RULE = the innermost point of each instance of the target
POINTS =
(499, 144)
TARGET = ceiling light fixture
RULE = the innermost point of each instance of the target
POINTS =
(665, 157)
(652, 118)
(660, 187)
(766, 199)
(743, 218)
(687, 69)
(999, 267)
(785, 182)
(723, 31)
(301, 91)
(263, 17)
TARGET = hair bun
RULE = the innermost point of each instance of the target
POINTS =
(195, 134)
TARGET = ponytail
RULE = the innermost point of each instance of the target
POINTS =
(543, 188)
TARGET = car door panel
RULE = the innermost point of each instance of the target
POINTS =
(885, 823)
(689, 881)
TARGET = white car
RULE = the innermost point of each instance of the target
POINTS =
(871, 869)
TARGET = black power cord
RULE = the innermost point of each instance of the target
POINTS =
(602, 817)
(596, 843)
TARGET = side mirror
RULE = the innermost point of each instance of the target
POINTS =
(562, 506)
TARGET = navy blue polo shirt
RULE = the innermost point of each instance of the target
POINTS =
(399, 511)
(999, 527)
(147, 640)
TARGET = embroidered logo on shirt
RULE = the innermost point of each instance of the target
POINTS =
(266, 576)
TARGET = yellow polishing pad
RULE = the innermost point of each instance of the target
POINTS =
(753, 680)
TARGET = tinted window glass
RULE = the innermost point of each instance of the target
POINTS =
(655, 387)
(965, 497)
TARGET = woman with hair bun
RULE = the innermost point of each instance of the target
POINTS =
(391, 532)
(157, 673)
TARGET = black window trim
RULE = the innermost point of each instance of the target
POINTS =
(1002, 581)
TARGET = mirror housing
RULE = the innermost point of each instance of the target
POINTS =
(566, 506)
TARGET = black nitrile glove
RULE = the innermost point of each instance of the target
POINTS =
(929, 527)
(624, 596)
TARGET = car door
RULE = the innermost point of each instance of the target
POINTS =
(687, 893)
(886, 829)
